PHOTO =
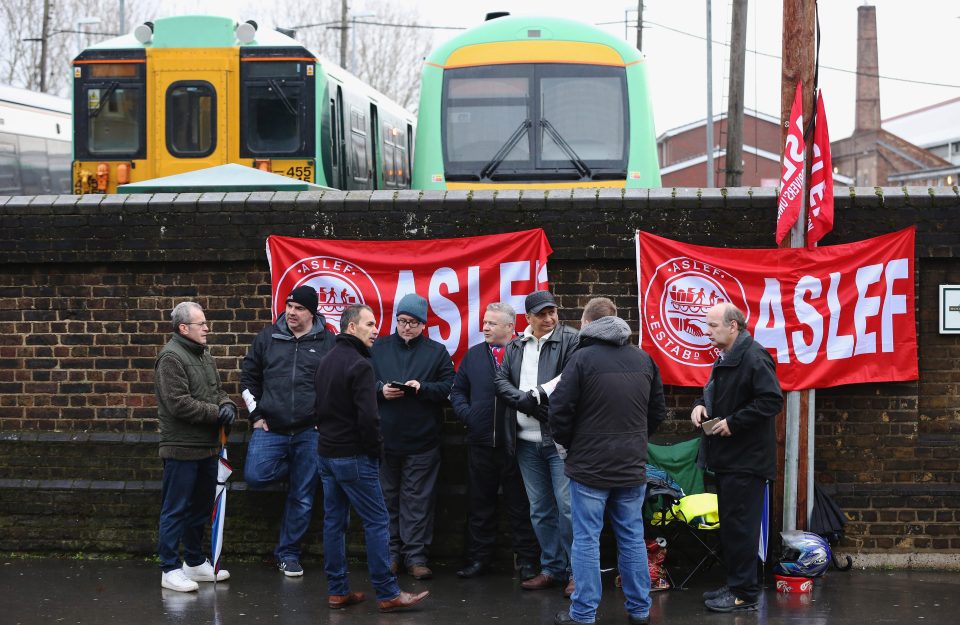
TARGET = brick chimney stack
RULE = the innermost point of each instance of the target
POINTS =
(868, 65)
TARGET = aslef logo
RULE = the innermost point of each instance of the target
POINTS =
(675, 306)
(338, 282)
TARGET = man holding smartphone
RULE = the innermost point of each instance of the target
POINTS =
(744, 394)
(414, 376)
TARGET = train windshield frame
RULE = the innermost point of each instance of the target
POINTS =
(535, 121)
(277, 99)
(110, 113)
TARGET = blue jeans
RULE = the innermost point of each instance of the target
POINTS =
(624, 506)
(355, 481)
(549, 492)
(274, 457)
(186, 503)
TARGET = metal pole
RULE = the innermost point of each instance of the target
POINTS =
(710, 182)
(640, 25)
(791, 456)
(811, 452)
(344, 10)
(43, 45)
(353, 44)
(738, 57)
(121, 18)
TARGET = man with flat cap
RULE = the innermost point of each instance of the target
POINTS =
(526, 378)
(277, 384)
(414, 376)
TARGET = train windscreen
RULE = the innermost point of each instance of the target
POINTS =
(535, 121)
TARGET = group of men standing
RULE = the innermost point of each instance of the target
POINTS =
(558, 419)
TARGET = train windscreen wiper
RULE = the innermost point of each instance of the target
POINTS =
(283, 97)
(501, 154)
(567, 149)
(104, 98)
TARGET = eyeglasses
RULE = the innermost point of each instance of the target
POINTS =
(404, 323)
(197, 323)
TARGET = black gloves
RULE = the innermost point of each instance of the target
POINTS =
(227, 415)
(542, 413)
(528, 404)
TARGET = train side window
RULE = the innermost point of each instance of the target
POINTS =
(191, 119)
(358, 145)
(334, 144)
(114, 118)
(9, 165)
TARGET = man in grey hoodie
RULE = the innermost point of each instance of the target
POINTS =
(607, 403)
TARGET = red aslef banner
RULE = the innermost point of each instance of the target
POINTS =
(458, 278)
(841, 314)
(790, 197)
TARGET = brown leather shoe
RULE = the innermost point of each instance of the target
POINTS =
(420, 571)
(402, 601)
(341, 601)
(540, 582)
(569, 589)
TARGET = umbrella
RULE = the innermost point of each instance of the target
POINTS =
(220, 504)
(827, 520)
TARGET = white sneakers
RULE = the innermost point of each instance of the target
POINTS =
(176, 580)
(185, 579)
(204, 572)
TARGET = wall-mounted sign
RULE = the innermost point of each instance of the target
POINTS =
(950, 309)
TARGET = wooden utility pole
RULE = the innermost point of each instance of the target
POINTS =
(640, 25)
(794, 424)
(44, 34)
(344, 14)
(738, 59)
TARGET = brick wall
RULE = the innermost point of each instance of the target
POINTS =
(87, 285)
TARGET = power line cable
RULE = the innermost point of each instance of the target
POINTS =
(778, 58)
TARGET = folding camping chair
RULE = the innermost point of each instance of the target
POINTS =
(692, 514)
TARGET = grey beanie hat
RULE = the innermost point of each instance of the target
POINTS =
(413, 305)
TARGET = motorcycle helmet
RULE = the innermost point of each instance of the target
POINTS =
(804, 555)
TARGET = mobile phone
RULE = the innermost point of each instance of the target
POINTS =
(709, 424)
(407, 390)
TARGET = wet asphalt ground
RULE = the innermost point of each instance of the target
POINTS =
(128, 592)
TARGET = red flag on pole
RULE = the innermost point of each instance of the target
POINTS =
(791, 181)
(820, 219)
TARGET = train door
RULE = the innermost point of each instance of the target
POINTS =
(376, 149)
(338, 166)
(191, 112)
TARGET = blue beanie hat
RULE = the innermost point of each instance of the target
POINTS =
(413, 305)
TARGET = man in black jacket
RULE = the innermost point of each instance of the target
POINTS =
(277, 381)
(414, 376)
(349, 457)
(524, 382)
(475, 403)
(744, 394)
(608, 402)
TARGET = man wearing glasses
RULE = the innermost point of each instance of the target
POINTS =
(277, 381)
(414, 376)
(191, 405)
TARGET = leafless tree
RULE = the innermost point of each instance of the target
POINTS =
(21, 31)
(388, 52)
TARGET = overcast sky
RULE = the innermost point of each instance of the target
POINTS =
(915, 39)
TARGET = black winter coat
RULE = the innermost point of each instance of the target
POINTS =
(747, 394)
(474, 398)
(278, 371)
(554, 355)
(346, 406)
(607, 404)
(412, 424)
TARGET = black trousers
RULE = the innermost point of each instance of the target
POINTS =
(489, 468)
(740, 503)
